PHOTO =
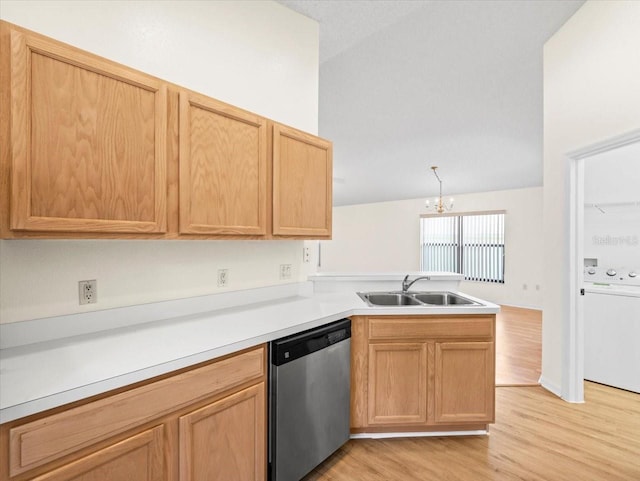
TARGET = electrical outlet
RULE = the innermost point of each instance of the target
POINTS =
(88, 292)
(306, 256)
(223, 277)
(285, 271)
(524, 287)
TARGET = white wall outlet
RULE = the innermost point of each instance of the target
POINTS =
(223, 277)
(88, 292)
(524, 287)
(285, 271)
(306, 255)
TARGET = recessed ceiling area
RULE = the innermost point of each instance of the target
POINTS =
(405, 85)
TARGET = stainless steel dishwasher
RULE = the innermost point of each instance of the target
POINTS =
(309, 396)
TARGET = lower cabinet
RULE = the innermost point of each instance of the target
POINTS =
(138, 458)
(202, 424)
(464, 382)
(225, 439)
(422, 373)
(397, 383)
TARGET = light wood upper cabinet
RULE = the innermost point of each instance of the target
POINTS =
(302, 184)
(223, 168)
(87, 140)
(92, 149)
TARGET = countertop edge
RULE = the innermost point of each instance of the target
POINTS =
(42, 404)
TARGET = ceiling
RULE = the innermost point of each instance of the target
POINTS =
(405, 85)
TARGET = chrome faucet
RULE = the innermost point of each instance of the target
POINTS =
(406, 284)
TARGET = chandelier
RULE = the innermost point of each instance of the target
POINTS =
(438, 205)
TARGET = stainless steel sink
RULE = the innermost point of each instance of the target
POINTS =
(442, 299)
(391, 299)
(419, 299)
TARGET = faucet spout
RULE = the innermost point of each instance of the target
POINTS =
(406, 284)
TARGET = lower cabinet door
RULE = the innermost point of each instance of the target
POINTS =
(464, 382)
(137, 458)
(397, 391)
(225, 440)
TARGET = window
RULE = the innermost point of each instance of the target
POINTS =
(471, 244)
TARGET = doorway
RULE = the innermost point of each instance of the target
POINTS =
(573, 327)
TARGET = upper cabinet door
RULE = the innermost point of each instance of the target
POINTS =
(302, 181)
(223, 168)
(88, 142)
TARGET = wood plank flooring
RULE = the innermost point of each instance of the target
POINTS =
(537, 437)
(518, 346)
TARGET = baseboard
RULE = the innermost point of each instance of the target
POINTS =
(551, 387)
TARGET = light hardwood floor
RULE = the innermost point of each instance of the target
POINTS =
(537, 437)
(518, 346)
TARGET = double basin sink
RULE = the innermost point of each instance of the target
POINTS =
(418, 299)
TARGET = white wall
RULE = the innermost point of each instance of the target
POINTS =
(613, 176)
(385, 236)
(257, 55)
(591, 93)
(612, 229)
(613, 238)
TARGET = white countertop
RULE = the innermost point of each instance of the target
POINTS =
(49, 373)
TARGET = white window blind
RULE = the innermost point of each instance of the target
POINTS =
(471, 244)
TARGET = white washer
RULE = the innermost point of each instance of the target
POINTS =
(612, 326)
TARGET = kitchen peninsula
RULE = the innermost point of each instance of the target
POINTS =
(211, 350)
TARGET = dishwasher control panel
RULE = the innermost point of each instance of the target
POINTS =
(298, 345)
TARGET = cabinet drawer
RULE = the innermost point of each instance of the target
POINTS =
(432, 327)
(138, 457)
(49, 438)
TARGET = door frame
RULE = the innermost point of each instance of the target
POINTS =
(573, 325)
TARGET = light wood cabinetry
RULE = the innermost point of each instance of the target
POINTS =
(138, 457)
(397, 383)
(464, 382)
(426, 373)
(225, 440)
(191, 423)
(223, 168)
(302, 183)
(86, 140)
(92, 149)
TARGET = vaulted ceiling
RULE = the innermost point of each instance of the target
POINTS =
(405, 85)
